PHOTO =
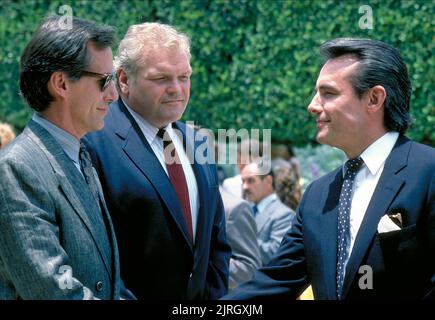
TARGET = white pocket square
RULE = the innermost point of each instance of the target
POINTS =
(387, 225)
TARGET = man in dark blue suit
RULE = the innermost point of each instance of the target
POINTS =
(367, 229)
(166, 208)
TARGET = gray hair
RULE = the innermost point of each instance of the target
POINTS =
(144, 37)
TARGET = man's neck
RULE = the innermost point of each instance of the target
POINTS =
(62, 121)
(358, 148)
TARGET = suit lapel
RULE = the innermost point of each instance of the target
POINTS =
(203, 189)
(114, 243)
(90, 217)
(328, 231)
(73, 187)
(140, 153)
(264, 216)
(386, 190)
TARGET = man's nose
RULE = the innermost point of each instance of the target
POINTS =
(111, 94)
(174, 86)
(314, 107)
(245, 186)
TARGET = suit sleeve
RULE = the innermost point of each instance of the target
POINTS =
(32, 260)
(281, 224)
(220, 253)
(285, 276)
(431, 237)
(242, 237)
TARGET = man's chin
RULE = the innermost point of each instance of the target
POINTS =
(321, 138)
(97, 126)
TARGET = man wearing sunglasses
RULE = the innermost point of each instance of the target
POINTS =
(56, 236)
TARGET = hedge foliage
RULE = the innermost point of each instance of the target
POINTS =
(255, 62)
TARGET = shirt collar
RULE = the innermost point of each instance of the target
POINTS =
(266, 201)
(376, 154)
(147, 128)
(69, 144)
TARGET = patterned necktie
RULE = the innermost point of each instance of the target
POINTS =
(88, 173)
(177, 177)
(343, 241)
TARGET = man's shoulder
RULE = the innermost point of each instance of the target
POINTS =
(414, 157)
(279, 208)
(233, 203)
(422, 153)
(22, 159)
(20, 148)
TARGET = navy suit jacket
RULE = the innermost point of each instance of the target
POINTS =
(402, 262)
(157, 259)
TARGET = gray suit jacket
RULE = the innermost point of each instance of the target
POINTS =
(54, 241)
(242, 237)
(272, 224)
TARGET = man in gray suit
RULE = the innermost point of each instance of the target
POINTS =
(241, 233)
(56, 237)
(273, 218)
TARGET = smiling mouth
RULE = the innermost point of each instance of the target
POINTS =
(322, 121)
(173, 101)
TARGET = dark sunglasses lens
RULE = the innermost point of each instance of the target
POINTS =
(106, 81)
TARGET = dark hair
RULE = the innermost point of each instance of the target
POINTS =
(57, 46)
(379, 64)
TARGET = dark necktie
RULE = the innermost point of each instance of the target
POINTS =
(98, 224)
(343, 241)
(88, 173)
(255, 209)
(177, 177)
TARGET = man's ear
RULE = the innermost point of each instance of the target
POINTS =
(123, 81)
(57, 84)
(269, 180)
(376, 98)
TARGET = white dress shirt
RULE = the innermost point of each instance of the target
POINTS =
(150, 133)
(367, 179)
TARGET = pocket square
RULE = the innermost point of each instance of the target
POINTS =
(397, 218)
(386, 224)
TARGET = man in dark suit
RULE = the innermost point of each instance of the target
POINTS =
(56, 236)
(166, 206)
(367, 229)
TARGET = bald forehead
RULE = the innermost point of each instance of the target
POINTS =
(251, 170)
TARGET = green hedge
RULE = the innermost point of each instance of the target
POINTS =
(255, 62)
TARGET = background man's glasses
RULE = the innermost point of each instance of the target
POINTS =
(105, 78)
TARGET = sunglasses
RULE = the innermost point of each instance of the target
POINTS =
(105, 78)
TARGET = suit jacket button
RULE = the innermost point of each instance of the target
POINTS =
(99, 286)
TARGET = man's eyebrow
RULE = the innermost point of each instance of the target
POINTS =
(326, 87)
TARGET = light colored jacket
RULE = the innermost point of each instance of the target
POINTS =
(242, 237)
(272, 224)
(54, 241)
